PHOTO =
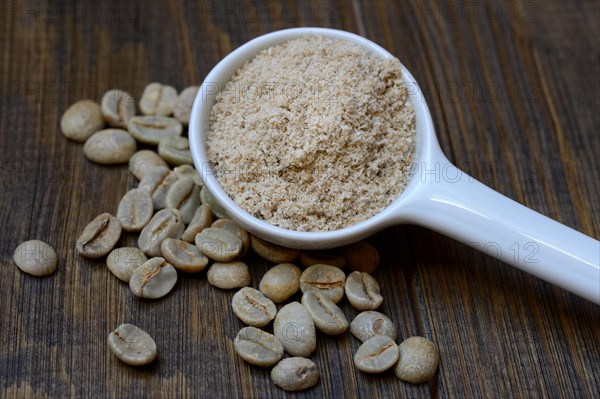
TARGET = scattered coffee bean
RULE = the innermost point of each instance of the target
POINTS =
(281, 282)
(363, 291)
(122, 262)
(81, 120)
(202, 219)
(132, 345)
(184, 196)
(151, 129)
(158, 99)
(370, 323)
(188, 171)
(166, 223)
(253, 308)
(361, 257)
(258, 347)
(327, 316)
(233, 227)
(117, 107)
(272, 252)
(183, 256)
(295, 374)
(376, 354)
(229, 275)
(35, 257)
(135, 210)
(208, 200)
(325, 278)
(175, 150)
(142, 161)
(99, 236)
(218, 244)
(419, 358)
(158, 181)
(294, 327)
(110, 146)
(154, 278)
(309, 258)
(184, 103)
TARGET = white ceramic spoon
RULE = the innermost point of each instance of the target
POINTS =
(438, 196)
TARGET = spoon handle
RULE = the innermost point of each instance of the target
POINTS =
(455, 204)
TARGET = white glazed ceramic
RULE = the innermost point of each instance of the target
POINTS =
(439, 195)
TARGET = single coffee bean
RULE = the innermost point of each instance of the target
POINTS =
(218, 244)
(81, 120)
(37, 258)
(117, 107)
(184, 103)
(175, 150)
(233, 227)
(158, 99)
(184, 195)
(157, 181)
(361, 257)
(135, 210)
(110, 146)
(202, 219)
(253, 308)
(419, 358)
(363, 291)
(328, 317)
(229, 275)
(142, 161)
(151, 129)
(376, 354)
(272, 252)
(370, 323)
(122, 262)
(294, 327)
(132, 345)
(325, 278)
(154, 278)
(166, 223)
(183, 256)
(258, 347)
(281, 282)
(309, 258)
(188, 171)
(208, 200)
(99, 236)
(295, 374)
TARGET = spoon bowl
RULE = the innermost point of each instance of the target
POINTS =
(438, 195)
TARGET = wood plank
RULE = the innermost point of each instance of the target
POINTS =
(501, 332)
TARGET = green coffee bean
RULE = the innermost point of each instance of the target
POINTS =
(99, 236)
(295, 374)
(376, 355)
(132, 345)
(110, 146)
(37, 258)
(158, 99)
(81, 120)
(419, 358)
(151, 129)
(325, 278)
(154, 278)
(117, 107)
(253, 308)
(258, 347)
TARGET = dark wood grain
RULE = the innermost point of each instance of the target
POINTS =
(513, 88)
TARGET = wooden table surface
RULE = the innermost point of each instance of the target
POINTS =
(514, 91)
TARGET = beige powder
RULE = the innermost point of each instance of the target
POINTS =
(313, 135)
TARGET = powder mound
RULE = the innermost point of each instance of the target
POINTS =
(316, 134)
